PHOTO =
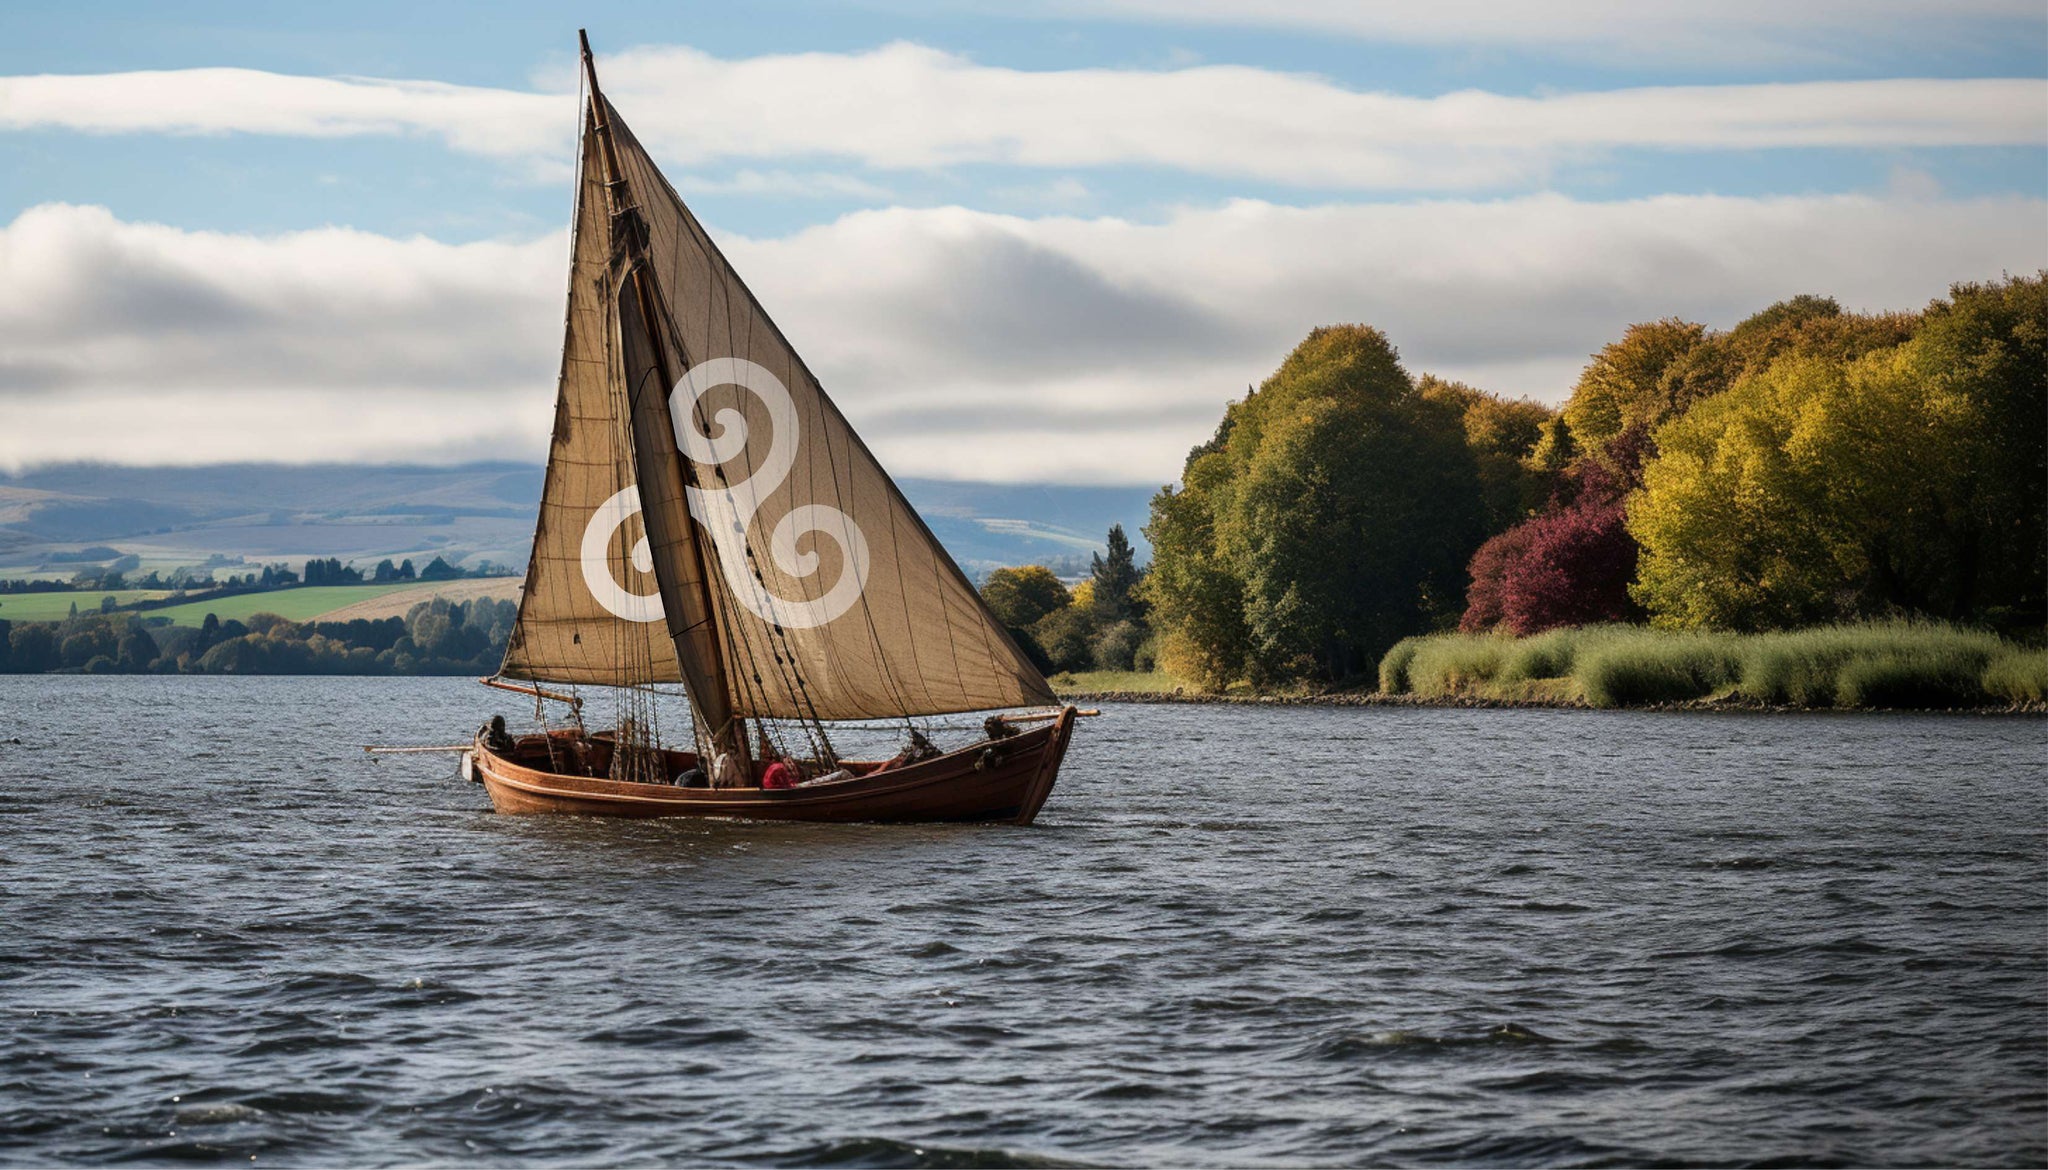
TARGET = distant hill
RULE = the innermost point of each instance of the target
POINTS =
(989, 525)
(170, 516)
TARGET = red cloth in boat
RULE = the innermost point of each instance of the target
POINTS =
(779, 775)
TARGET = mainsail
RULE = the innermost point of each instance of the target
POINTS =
(584, 614)
(782, 574)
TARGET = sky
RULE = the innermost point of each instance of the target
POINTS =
(1020, 243)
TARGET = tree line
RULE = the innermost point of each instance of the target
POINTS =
(434, 637)
(1100, 624)
(116, 575)
(1809, 465)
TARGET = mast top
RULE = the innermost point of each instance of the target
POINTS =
(614, 180)
(589, 64)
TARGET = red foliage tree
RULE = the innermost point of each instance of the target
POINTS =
(1572, 564)
(1491, 565)
(1574, 570)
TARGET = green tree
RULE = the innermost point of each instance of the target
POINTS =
(1020, 596)
(136, 649)
(1116, 646)
(1067, 636)
(1195, 596)
(1987, 348)
(1503, 435)
(1343, 504)
(1115, 577)
(32, 648)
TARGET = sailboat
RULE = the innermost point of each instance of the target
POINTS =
(710, 519)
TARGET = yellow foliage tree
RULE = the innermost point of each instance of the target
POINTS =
(1818, 490)
(1083, 595)
(1622, 386)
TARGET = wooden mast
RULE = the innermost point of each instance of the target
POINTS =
(733, 736)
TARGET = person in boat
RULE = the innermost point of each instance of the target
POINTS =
(918, 750)
(776, 772)
(497, 738)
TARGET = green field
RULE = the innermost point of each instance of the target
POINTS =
(298, 604)
(301, 604)
(56, 606)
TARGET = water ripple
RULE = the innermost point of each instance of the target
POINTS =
(1272, 936)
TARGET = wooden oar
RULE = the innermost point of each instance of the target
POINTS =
(453, 747)
(1042, 716)
(537, 692)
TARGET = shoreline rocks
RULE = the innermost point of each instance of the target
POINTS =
(1479, 703)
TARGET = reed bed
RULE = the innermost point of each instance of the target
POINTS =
(1899, 664)
(1450, 666)
(2018, 676)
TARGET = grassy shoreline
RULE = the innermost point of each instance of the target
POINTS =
(1472, 703)
(1876, 666)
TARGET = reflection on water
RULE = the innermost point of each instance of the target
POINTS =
(1235, 935)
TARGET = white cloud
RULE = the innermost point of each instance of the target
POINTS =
(908, 107)
(962, 344)
(783, 184)
(132, 341)
(214, 101)
(1742, 31)
(1100, 349)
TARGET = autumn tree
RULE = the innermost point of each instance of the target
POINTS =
(1812, 325)
(1492, 567)
(1908, 479)
(1020, 596)
(1572, 564)
(1575, 570)
(1623, 385)
(1574, 561)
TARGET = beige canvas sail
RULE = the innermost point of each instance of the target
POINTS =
(834, 601)
(590, 609)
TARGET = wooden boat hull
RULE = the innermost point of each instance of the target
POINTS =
(1000, 780)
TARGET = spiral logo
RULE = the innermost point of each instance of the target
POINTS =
(727, 513)
(597, 564)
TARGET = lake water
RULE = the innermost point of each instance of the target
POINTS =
(1294, 936)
